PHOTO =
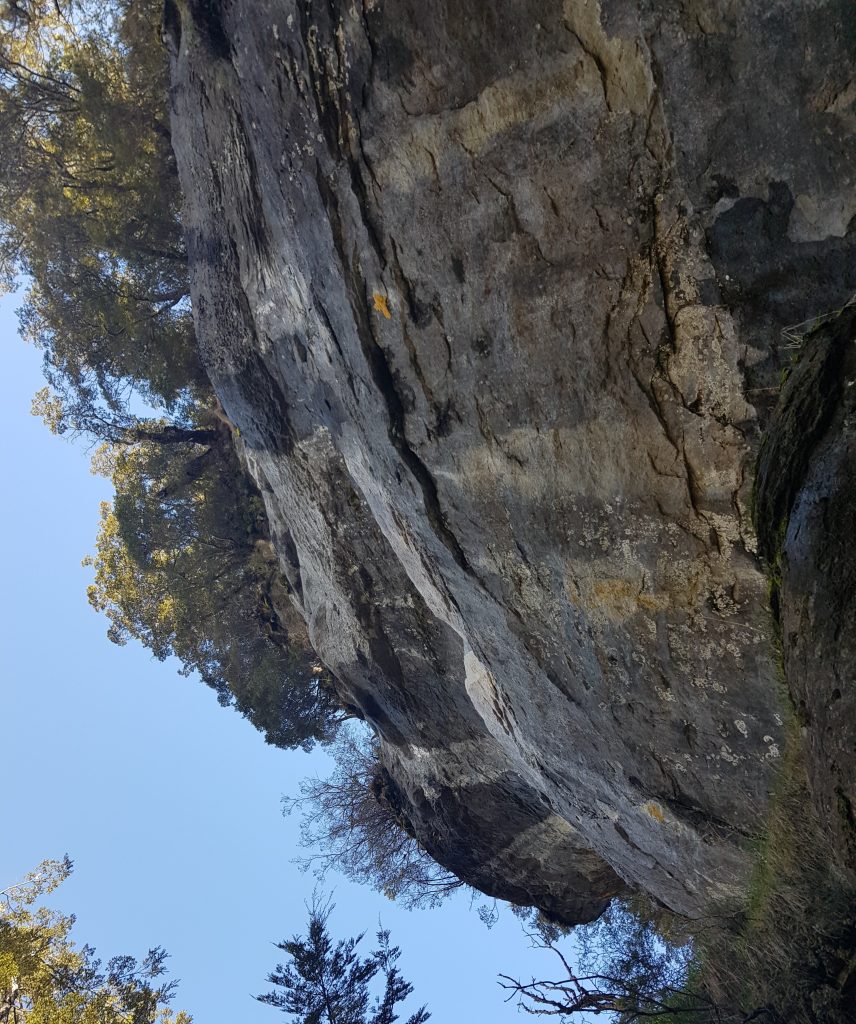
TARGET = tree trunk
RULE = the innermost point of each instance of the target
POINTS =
(176, 435)
(11, 998)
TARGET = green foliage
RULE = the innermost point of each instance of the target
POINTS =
(90, 213)
(89, 210)
(183, 565)
(628, 942)
(790, 948)
(323, 983)
(627, 966)
(46, 979)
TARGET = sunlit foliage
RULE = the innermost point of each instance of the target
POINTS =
(183, 564)
(89, 205)
(90, 215)
(46, 979)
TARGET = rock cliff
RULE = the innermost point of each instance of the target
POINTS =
(494, 294)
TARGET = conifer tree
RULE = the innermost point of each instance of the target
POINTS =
(323, 983)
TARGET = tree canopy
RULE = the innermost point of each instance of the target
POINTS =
(89, 204)
(90, 217)
(46, 979)
(183, 564)
(323, 983)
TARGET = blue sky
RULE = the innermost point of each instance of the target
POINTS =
(168, 804)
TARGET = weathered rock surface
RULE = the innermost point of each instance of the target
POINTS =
(806, 513)
(494, 294)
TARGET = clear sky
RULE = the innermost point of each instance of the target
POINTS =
(168, 804)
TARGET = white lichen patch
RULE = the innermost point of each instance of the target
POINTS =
(772, 748)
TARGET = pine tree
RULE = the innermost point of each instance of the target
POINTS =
(325, 983)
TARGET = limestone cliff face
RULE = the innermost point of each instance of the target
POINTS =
(494, 293)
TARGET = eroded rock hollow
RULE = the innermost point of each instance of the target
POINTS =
(494, 294)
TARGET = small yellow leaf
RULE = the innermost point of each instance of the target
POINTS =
(381, 305)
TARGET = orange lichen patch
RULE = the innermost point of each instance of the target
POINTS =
(381, 305)
(655, 810)
(618, 599)
(617, 596)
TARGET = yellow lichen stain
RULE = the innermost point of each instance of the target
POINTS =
(655, 810)
(619, 599)
(381, 305)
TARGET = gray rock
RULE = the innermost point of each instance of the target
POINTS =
(494, 295)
